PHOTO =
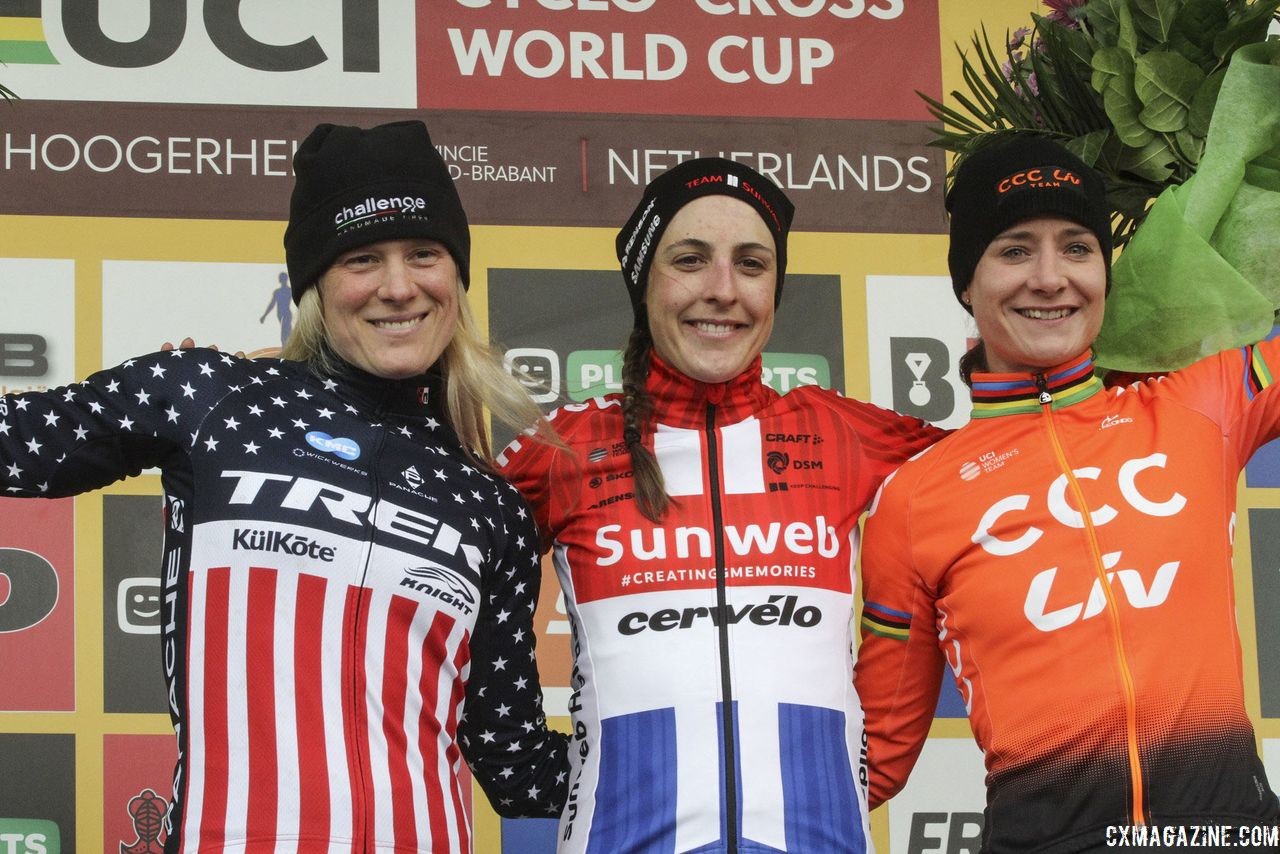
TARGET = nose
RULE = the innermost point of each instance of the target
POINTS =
(396, 283)
(721, 286)
(1047, 274)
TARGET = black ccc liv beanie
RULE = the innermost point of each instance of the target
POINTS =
(669, 192)
(355, 186)
(1009, 182)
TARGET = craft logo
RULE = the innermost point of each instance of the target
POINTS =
(147, 812)
(341, 447)
(29, 836)
(138, 606)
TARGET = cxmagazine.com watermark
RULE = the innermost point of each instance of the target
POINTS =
(1243, 836)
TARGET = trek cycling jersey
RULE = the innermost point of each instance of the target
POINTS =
(1068, 554)
(346, 599)
(713, 703)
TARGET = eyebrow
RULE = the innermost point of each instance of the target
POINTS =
(1072, 231)
(695, 243)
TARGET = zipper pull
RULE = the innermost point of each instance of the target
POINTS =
(1043, 385)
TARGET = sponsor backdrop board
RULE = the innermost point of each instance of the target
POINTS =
(145, 180)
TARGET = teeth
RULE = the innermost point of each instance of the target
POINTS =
(396, 324)
(1044, 314)
(713, 328)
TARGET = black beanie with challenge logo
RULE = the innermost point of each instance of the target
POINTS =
(1009, 182)
(355, 186)
(669, 192)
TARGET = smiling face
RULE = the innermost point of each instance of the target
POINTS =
(1038, 294)
(390, 308)
(711, 288)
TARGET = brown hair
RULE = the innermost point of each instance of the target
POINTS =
(651, 492)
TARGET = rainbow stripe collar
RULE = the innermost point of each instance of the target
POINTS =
(1013, 394)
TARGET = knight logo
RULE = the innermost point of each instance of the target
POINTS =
(777, 461)
(372, 210)
(446, 585)
(412, 477)
(779, 610)
(175, 509)
(147, 811)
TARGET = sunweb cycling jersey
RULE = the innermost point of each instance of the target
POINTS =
(1068, 554)
(347, 600)
(713, 703)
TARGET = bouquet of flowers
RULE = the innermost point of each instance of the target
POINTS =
(1177, 104)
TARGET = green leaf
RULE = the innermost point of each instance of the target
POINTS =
(1194, 28)
(1188, 147)
(1153, 161)
(1102, 22)
(1155, 18)
(1088, 147)
(1246, 28)
(1128, 32)
(1203, 103)
(1123, 108)
(1111, 64)
(1166, 83)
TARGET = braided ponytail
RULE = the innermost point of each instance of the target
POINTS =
(651, 493)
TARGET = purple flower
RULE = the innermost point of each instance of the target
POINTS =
(1033, 84)
(1007, 70)
(1019, 38)
(1062, 11)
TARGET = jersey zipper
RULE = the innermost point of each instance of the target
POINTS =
(726, 685)
(362, 816)
(1113, 609)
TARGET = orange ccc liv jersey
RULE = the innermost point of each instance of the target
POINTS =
(1068, 555)
(713, 702)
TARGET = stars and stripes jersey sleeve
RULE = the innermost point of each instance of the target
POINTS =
(899, 667)
(521, 765)
(145, 412)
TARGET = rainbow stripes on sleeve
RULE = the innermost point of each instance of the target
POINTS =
(885, 622)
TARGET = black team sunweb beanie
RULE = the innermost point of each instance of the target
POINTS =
(675, 188)
(354, 186)
(1006, 183)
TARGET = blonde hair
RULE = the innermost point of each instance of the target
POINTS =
(475, 378)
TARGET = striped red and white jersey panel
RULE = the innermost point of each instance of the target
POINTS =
(390, 675)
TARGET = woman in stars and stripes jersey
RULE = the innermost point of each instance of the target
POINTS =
(704, 530)
(1082, 589)
(347, 587)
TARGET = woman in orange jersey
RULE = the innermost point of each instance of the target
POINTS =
(1082, 590)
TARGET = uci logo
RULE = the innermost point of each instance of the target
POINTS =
(341, 447)
(166, 29)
